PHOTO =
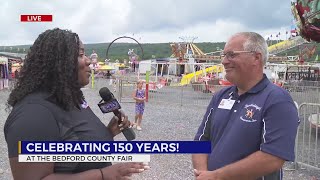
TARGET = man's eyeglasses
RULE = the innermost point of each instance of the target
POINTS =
(233, 54)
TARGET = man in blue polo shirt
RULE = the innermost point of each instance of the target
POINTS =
(252, 125)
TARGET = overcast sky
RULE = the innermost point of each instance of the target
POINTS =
(149, 21)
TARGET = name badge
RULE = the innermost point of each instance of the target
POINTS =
(226, 104)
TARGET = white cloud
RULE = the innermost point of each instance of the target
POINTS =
(149, 21)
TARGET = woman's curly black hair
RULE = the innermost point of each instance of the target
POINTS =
(51, 65)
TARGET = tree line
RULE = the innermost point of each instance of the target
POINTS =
(119, 51)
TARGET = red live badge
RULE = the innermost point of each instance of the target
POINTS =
(36, 18)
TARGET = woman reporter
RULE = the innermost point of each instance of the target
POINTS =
(48, 105)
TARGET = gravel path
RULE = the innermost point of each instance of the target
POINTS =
(161, 122)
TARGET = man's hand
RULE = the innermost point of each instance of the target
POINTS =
(206, 175)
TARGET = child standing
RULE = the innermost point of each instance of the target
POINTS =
(139, 96)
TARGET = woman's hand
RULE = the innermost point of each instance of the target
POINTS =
(141, 99)
(114, 127)
(123, 171)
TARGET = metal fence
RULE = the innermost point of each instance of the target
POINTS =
(307, 141)
(126, 88)
(307, 95)
(304, 94)
(201, 93)
(191, 94)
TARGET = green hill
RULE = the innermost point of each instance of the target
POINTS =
(120, 50)
(159, 50)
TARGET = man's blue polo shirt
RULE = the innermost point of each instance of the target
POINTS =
(264, 118)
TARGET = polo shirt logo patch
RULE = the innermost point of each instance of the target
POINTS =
(249, 112)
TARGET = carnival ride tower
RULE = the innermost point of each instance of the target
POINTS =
(133, 57)
(185, 50)
(94, 59)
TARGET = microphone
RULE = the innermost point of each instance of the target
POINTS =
(110, 104)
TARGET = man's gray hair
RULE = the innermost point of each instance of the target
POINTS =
(255, 42)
